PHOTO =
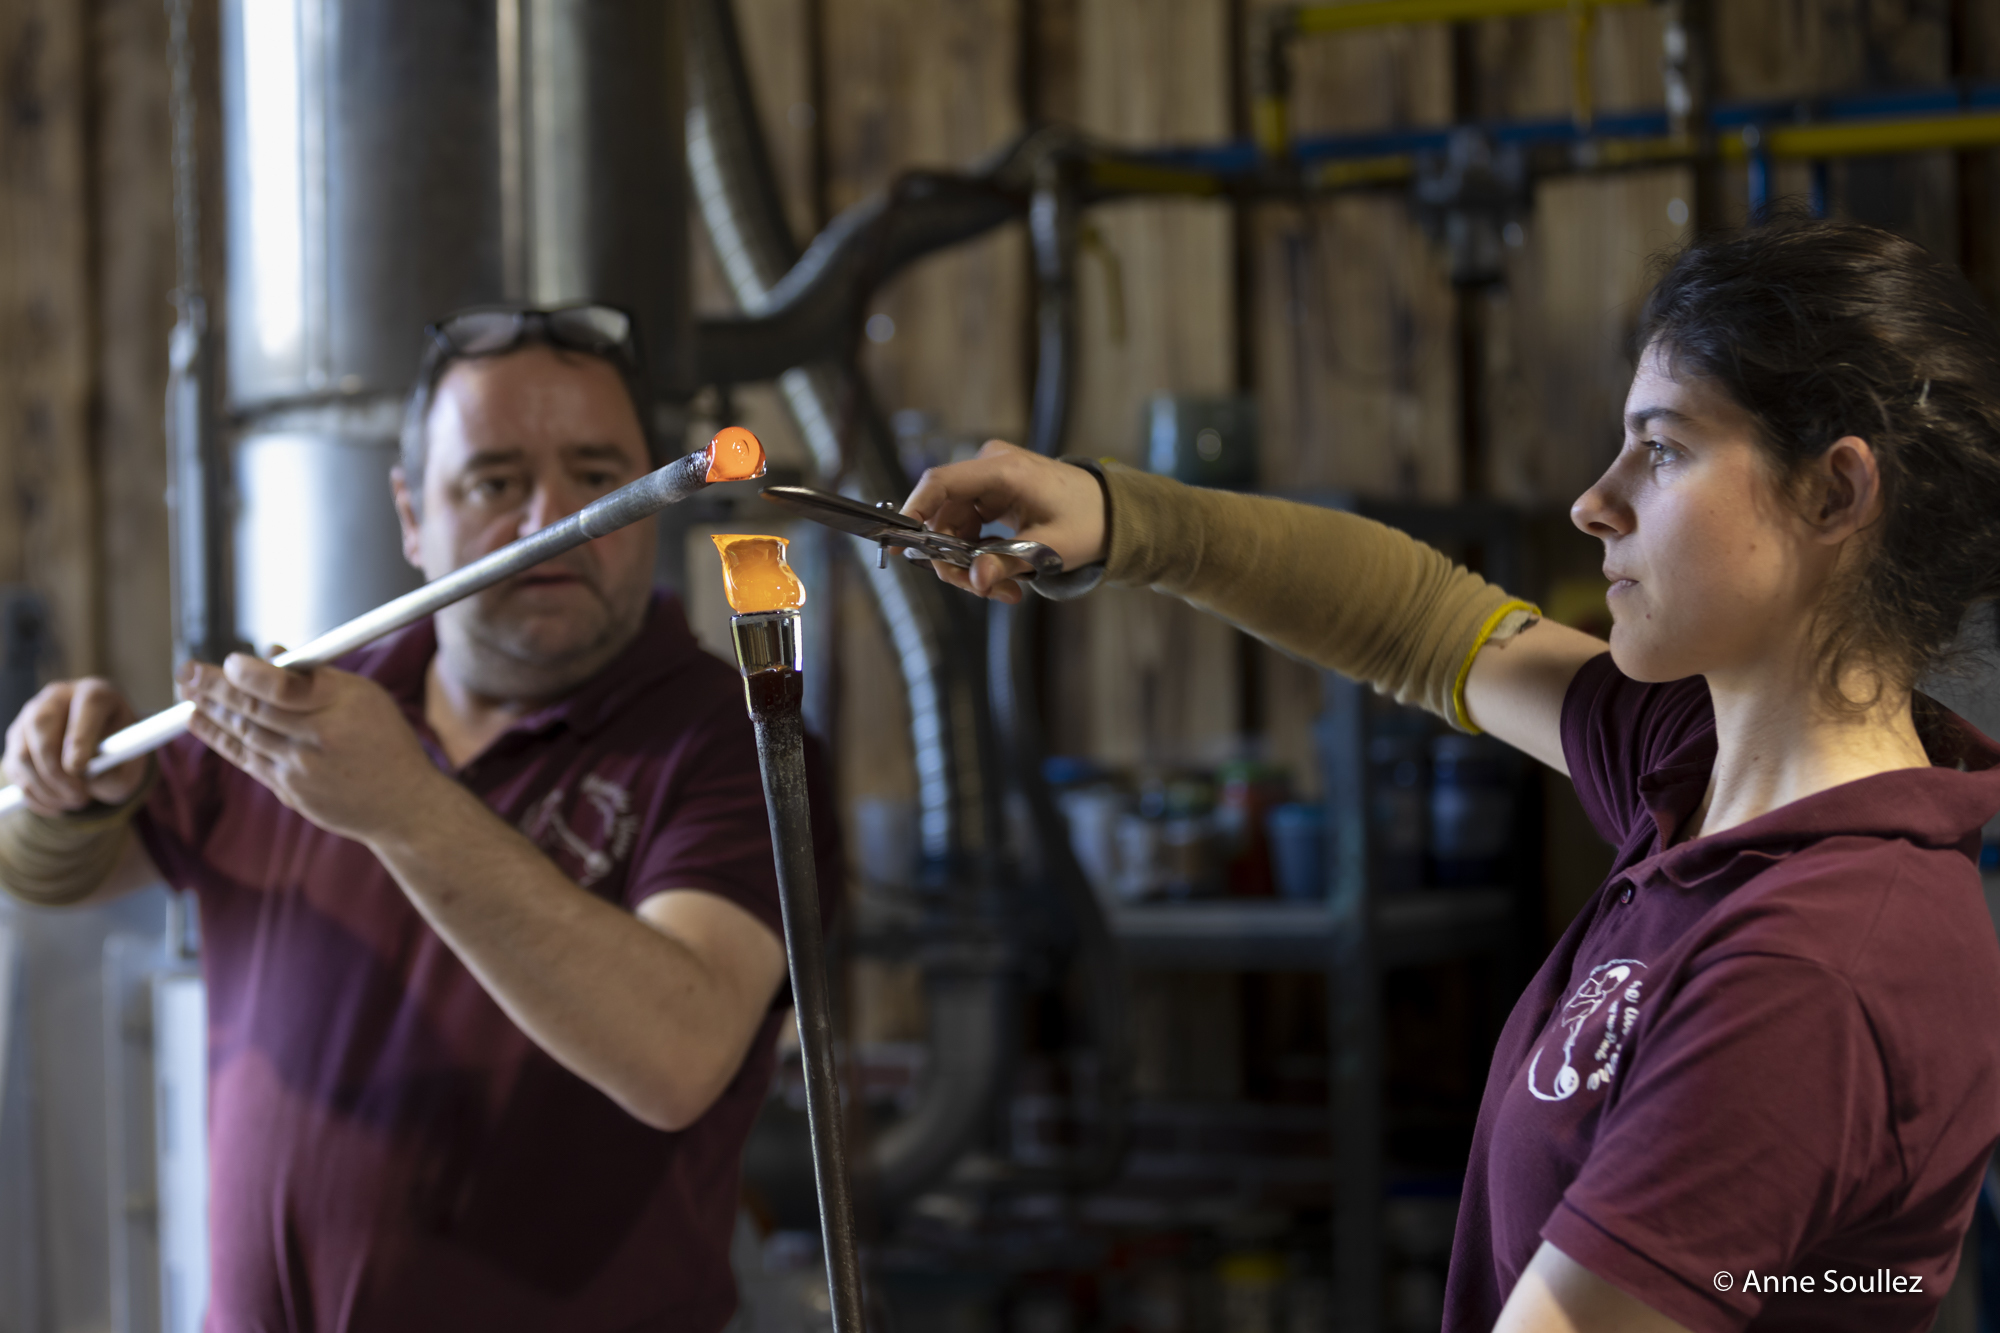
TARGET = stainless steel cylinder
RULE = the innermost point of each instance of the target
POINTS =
(388, 162)
(767, 641)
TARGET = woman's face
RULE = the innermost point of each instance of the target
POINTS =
(1713, 571)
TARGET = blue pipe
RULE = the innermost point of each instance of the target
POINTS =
(1241, 157)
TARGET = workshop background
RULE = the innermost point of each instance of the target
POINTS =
(1305, 1034)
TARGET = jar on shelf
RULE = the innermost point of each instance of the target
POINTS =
(1250, 791)
(1473, 780)
(1297, 833)
(1398, 808)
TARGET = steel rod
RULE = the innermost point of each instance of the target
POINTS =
(767, 651)
(626, 505)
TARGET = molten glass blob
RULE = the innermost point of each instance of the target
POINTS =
(755, 575)
(735, 455)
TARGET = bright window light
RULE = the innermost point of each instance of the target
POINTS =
(276, 185)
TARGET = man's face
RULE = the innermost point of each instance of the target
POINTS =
(516, 443)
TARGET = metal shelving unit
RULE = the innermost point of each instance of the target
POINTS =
(1245, 935)
(1363, 929)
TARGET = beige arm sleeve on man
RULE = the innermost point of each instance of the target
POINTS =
(1333, 588)
(54, 861)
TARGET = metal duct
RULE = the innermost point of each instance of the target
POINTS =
(388, 162)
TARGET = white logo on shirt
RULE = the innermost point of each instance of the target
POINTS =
(587, 856)
(1615, 983)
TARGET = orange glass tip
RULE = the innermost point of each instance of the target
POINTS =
(735, 455)
(755, 575)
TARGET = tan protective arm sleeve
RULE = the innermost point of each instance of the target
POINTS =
(1334, 588)
(52, 862)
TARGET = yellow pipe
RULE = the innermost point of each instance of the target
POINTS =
(1582, 18)
(1270, 127)
(1869, 138)
(1378, 13)
(1141, 177)
(1341, 173)
(1630, 152)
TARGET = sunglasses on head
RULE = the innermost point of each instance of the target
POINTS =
(601, 330)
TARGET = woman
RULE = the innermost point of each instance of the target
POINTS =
(1758, 1081)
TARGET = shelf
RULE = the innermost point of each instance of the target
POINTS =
(1441, 923)
(1226, 936)
(1285, 937)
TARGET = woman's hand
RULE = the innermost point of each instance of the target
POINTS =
(1058, 505)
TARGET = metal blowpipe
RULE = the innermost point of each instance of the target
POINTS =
(733, 455)
(766, 597)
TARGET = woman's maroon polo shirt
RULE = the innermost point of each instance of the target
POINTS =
(1767, 1055)
(387, 1150)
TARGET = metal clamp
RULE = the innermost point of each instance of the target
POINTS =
(888, 527)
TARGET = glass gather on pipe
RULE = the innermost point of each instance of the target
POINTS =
(755, 576)
(735, 454)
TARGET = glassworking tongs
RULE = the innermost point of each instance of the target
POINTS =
(886, 526)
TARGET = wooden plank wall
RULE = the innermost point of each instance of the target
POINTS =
(1350, 344)
(1138, 679)
(48, 524)
(132, 178)
(86, 268)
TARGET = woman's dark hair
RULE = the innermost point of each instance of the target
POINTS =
(1822, 330)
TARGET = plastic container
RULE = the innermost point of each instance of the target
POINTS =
(1298, 850)
(1252, 1286)
(1399, 808)
(1093, 813)
(1250, 791)
(1142, 873)
(885, 841)
(1471, 809)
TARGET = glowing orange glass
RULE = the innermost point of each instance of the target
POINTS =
(735, 455)
(755, 575)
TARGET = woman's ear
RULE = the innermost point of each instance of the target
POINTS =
(1849, 493)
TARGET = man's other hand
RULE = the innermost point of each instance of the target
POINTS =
(330, 744)
(52, 740)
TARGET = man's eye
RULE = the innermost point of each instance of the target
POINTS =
(1661, 451)
(491, 488)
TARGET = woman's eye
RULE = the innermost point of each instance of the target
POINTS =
(1661, 451)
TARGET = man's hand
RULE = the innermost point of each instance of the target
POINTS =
(330, 744)
(52, 740)
(1060, 506)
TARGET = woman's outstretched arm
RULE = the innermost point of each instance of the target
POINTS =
(1327, 586)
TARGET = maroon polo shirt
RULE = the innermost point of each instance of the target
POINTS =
(388, 1151)
(1767, 1055)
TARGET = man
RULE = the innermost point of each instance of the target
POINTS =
(489, 920)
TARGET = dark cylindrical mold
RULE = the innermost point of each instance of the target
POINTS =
(767, 651)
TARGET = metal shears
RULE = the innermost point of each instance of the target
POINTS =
(886, 526)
